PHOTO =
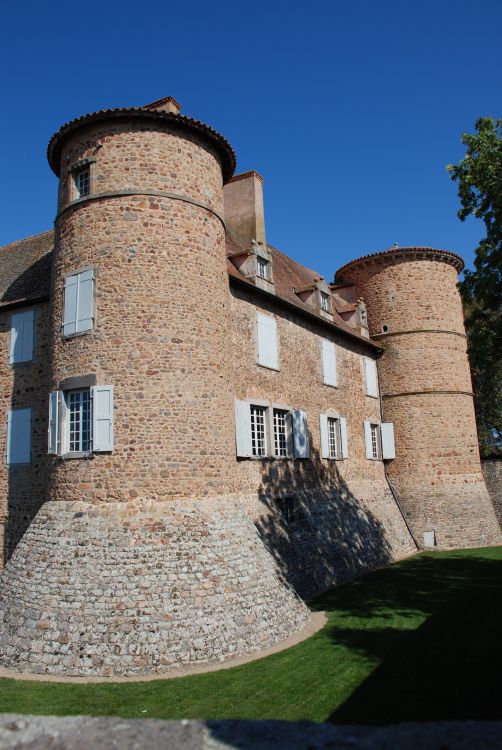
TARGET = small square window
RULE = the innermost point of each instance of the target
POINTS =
(290, 509)
(261, 268)
(82, 182)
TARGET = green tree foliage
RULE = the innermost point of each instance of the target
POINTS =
(479, 177)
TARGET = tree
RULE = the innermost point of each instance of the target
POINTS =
(479, 177)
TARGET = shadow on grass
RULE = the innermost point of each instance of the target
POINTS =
(450, 666)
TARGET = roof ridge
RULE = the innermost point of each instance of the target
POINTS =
(29, 237)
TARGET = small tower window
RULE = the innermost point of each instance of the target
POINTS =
(261, 268)
(82, 182)
(325, 302)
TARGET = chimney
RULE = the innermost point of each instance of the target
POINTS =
(243, 198)
(168, 104)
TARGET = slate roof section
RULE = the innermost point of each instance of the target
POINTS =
(25, 269)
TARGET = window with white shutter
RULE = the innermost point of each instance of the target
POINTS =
(78, 311)
(81, 421)
(243, 429)
(22, 331)
(266, 339)
(371, 377)
(328, 355)
(19, 436)
(331, 439)
(372, 440)
(344, 444)
(102, 418)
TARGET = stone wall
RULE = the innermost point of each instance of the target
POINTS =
(414, 310)
(23, 488)
(492, 472)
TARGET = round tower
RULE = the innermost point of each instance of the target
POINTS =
(415, 311)
(142, 557)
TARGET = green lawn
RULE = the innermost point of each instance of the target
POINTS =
(420, 640)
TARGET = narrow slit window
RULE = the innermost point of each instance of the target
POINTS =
(280, 432)
(334, 437)
(258, 434)
(374, 440)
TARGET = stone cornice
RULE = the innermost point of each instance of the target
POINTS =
(398, 255)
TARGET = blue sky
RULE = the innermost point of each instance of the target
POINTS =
(350, 111)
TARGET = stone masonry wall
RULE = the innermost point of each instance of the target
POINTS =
(492, 472)
(24, 384)
(427, 394)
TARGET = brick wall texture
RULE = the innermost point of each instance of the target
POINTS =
(169, 549)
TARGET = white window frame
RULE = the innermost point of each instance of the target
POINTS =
(100, 422)
(259, 437)
(262, 268)
(372, 440)
(245, 431)
(328, 422)
(70, 396)
(83, 174)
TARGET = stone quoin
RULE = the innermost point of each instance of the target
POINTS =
(199, 431)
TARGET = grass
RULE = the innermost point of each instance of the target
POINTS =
(420, 640)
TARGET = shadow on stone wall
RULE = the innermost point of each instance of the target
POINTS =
(26, 483)
(332, 537)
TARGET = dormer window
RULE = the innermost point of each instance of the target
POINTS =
(82, 182)
(325, 302)
(261, 267)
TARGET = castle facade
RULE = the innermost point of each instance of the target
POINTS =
(199, 431)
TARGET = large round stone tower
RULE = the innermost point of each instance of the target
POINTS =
(143, 556)
(414, 310)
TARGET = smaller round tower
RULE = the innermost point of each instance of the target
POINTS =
(414, 310)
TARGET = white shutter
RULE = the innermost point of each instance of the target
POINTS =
(387, 435)
(53, 422)
(266, 337)
(370, 372)
(301, 439)
(367, 440)
(85, 302)
(70, 304)
(102, 418)
(328, 362)
(343, 438)
(243, 429)
(324, 436)
(19, 436)
(21, 337)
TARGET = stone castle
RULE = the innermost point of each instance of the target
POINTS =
(199, 431)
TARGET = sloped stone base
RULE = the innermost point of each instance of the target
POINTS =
(123, 590)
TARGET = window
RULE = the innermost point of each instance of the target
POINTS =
(290, 508)
(258, 432)
(78, 408)
(266, 338)
(81, 421)
(78, 311)
(325, 302)
(281, 418)
(19, 436)
(264, 431)
(371, 377)
(261, 267)
(22, 329)
(333, 437)
(328, 356)
(82, 179)
(372, 440)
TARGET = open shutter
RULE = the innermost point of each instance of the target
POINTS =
(19, 436)
(85, 302)
(102, 418)
(301, 439)
(53, 422)
(243, 429)
(387, 436)
(70, 305)
(328, 362)
(324, 436)
(370, 372)
(367, 440)
(344, 443)
(266, 336)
